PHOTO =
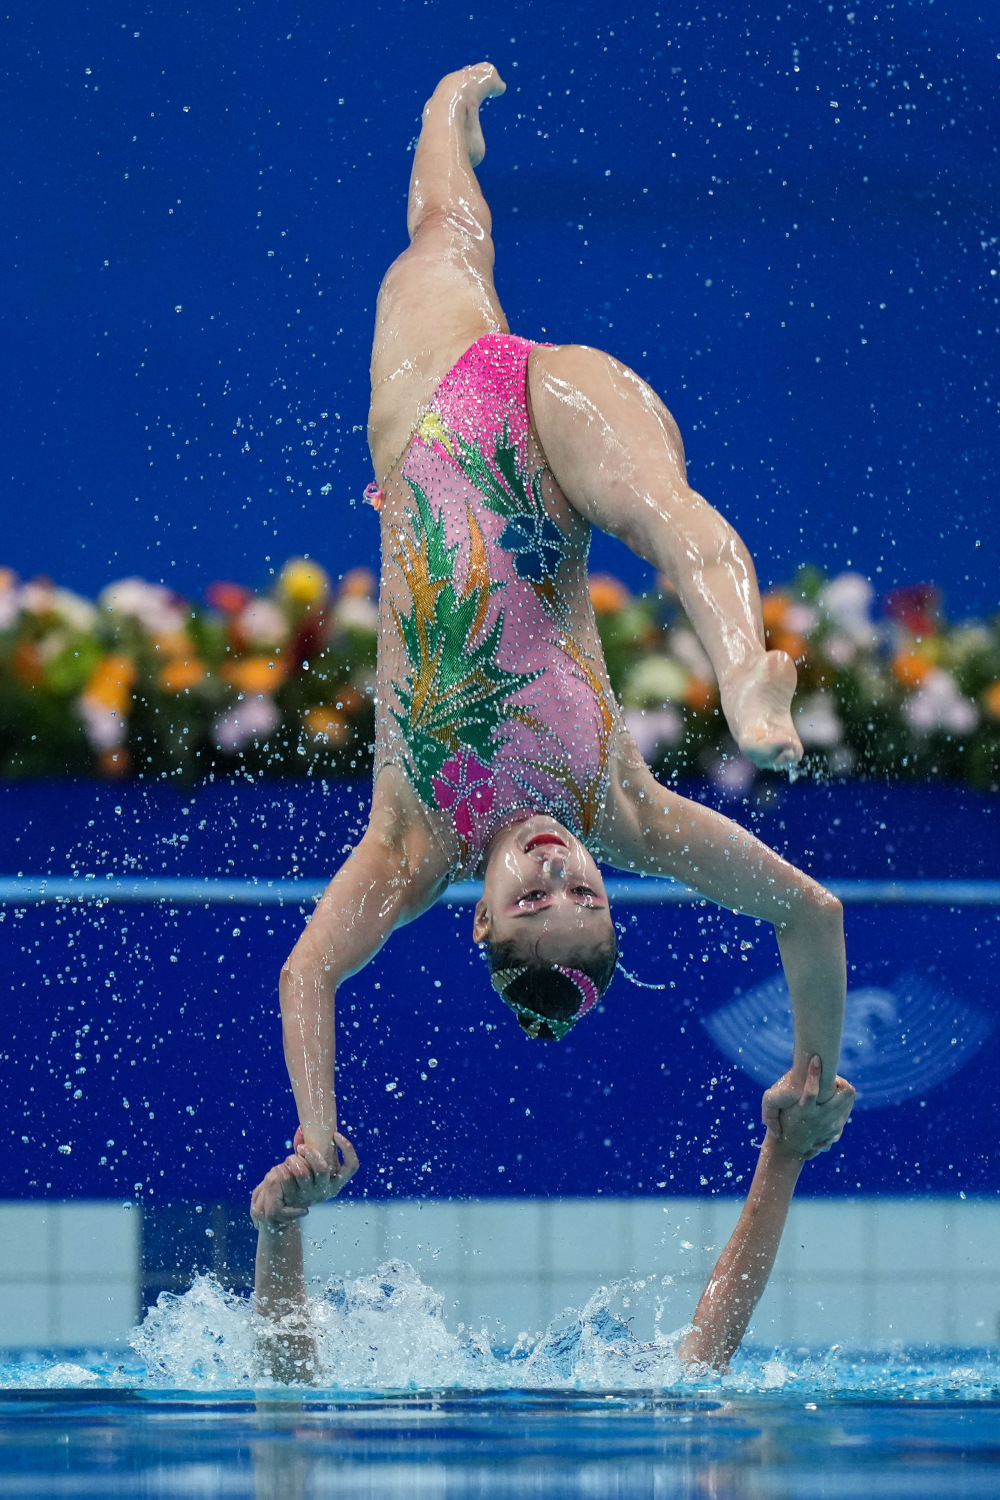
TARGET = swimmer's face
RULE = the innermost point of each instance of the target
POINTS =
(543, 890)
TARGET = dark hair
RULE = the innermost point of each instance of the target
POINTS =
(543, 989)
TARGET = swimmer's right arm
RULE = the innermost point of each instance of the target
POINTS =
(392, 876)
(742, 1270)
(655, 830)
(285, 1340)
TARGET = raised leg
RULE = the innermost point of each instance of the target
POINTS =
(438, 297)
(616, 453)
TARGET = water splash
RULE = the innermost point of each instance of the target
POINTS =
(385, 1333)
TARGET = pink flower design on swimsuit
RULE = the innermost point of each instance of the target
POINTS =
(465, 787)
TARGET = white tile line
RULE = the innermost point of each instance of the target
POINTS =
(29, 890)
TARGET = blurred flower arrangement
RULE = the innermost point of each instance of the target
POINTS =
(143, 682)
(886, 688)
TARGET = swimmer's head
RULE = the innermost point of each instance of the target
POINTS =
(545, 920)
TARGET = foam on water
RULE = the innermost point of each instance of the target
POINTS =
(386, 1332)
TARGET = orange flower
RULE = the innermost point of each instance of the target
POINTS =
(172, 642)
(110, 683)
(787, 640)
(228, 597)
(358, 583)
(27, 665)
(700, 695)
(607, 594)
(774, 608)
(328, 722)
(181, 673)
(910, 668)
(992, 699)
(114, 762)
(255, 674)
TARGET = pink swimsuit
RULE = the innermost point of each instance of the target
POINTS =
(493, 696)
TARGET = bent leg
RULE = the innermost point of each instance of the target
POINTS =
(438, 297)
(616, 453)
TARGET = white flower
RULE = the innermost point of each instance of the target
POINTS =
(655, 680)
(653, 727)
(106, 730)
(10, 607)
(355, 611)
(734, 774)
(687, 648)
(847, 600)
(249, 720)
(938, 704)
(840, 649)
(74, 610)
(152, 604)
(816, 720)
(263, 623)
(37, 597)
(801, 618)
(51, 644)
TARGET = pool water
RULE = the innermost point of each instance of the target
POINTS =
(459, 1444)
(597, 1405)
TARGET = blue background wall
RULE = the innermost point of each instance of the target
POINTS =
(782, 215)
(146, 1038)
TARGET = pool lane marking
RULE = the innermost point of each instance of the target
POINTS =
(30, 890)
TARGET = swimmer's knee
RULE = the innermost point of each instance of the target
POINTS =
(445, 227)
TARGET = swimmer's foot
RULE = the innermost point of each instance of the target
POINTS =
(758, 706)
(466, 91)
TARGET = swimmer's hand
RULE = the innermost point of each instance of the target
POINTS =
(292, 1187)
(804, 1127)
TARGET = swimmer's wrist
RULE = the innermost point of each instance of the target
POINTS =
(776, 1149)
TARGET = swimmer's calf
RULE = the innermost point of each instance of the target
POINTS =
(737, 1283)
(286, 1345)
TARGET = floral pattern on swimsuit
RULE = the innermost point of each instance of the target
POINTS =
(500, 710)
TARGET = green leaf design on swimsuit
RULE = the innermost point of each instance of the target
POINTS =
(454, 693)
(509, 495)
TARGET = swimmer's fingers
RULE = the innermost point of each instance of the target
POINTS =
(779, 1097)
(350, 1163)
(809, 1128)
(273, 1200)
(810, 1089)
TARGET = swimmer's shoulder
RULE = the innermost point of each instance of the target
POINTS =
(637, 810)
(399, 826)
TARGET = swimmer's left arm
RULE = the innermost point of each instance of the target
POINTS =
(742, 1270)
(660, 833)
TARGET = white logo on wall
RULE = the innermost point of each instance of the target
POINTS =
(898, 1043)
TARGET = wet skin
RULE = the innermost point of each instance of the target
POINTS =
(543, 890)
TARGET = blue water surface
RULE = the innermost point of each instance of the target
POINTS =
(597, 1405)
(511, 1443)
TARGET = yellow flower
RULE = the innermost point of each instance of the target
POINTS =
(992, 699)
(303, 581)
(433, 430)
(255, 674)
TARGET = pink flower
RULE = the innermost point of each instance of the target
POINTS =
(464, 785)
